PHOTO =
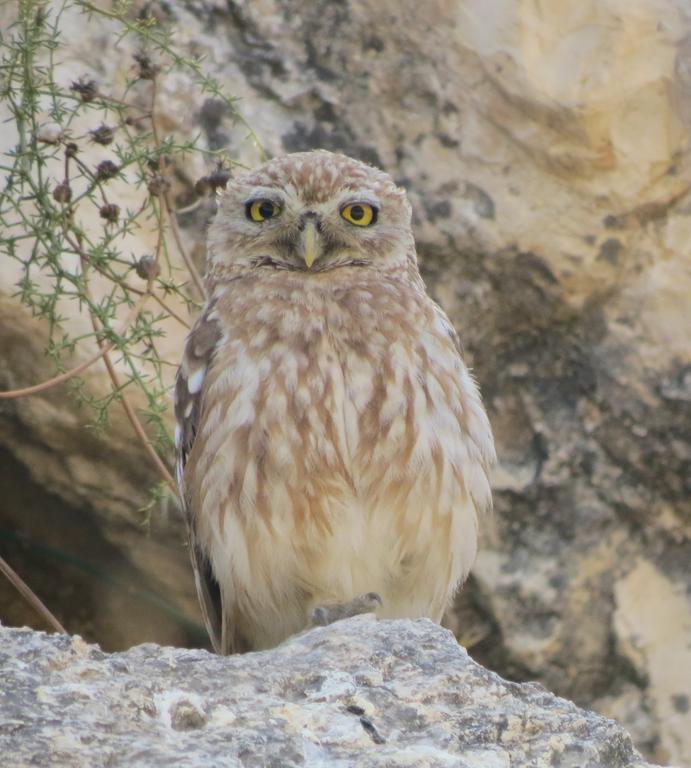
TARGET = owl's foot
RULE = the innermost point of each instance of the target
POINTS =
(328, 614)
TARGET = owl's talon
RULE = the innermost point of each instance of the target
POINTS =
(372, 597)
(322, 615)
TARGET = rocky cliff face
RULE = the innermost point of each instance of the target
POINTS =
(357, 693)
(546, 154)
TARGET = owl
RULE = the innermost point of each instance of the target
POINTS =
(333, 450)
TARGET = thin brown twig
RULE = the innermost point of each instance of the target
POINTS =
(189, 208)
(173, 314)
(104, 348)
(194, 272)
(60, 378)
(131, 415)
(95, 183)
(37, 388)
(170, 208)
(125, 285)
(129, 410)
(30, 596)
(152, 113)
(115, 381)
(136, 424)
(76, 246)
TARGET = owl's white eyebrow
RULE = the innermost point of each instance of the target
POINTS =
(361, 197)
(268, 193)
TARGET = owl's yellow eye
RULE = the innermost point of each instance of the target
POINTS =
(261, 210)
(360, 214)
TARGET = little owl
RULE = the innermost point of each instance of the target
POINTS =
(332, 447)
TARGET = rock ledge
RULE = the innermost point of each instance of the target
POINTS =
(358, 693)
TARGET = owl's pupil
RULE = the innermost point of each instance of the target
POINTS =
(357, 212)
(266, 209)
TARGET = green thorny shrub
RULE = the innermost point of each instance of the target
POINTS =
(61, 219)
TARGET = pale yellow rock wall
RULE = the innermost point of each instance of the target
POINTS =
(545, 147)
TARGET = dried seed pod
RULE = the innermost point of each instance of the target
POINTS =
(106, 170)
(86, 89)
(104, 134)
(109, 212)
(71, 149)
(202, 186)
(158, 185)
(218, 179)
(63, 192)
(147, 69)
(50, 133)
(147, 268)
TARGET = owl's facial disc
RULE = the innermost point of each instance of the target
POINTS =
(301, 230)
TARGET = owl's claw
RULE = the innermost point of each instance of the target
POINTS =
(322, 615)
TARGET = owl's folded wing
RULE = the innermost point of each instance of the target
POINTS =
(189, 388)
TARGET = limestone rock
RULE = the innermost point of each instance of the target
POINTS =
(356, 693)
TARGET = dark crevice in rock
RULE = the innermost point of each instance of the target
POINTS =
(86, 581)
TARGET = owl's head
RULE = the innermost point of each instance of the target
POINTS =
(312, 212)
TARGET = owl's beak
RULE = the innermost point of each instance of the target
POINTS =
(309, 242)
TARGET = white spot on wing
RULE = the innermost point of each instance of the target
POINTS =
(178, 435)
(195, 381)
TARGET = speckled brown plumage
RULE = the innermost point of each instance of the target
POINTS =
(330, 439)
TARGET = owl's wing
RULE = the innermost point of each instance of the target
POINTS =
(447, 327)
(189, 388)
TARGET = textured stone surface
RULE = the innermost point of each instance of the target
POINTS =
(357, 693)
(545, 149)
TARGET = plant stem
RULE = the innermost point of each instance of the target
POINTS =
(30, 596)
(60, 378)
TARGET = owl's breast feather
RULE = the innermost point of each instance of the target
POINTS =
(342, 448)
(361, 386)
